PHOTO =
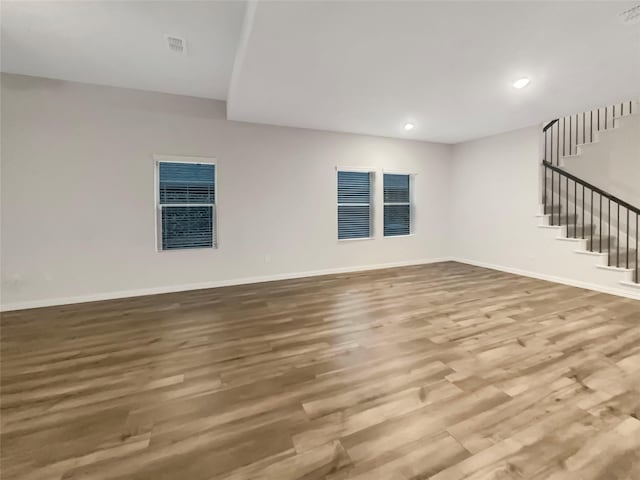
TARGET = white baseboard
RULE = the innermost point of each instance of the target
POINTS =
(621, 292)
(50, 302)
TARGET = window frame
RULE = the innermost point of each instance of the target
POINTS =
(411, 202)
(371, 204)
(157, 160)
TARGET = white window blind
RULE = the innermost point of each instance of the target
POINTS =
(354, 205)
(187, 205)
(397, 205)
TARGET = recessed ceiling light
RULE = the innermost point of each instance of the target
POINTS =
(408, 126)
(521, 83)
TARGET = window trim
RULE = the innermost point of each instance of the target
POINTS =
(161, 158)
(411, 202)
(371, 204)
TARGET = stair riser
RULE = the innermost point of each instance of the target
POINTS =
(548, 209)
(564, 220)
(580, 231)
(606, 244)
(619, 258)
(622, 264)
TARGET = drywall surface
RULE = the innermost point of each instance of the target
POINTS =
(78, 202)
(495, 200)
(613, 161)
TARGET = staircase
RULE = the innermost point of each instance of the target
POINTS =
(602, 224)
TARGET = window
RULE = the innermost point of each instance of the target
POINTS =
(186, 205)
(397, 205)
(354, 205)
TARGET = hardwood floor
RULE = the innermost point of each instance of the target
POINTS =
(444, 371)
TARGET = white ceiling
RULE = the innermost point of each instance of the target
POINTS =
(447, 67)
(364, 67)
(123, 44)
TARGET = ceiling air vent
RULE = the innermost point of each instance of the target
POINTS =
(176, 44)
(631, 15)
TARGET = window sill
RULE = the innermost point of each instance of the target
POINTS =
(355, 239)
(399, 236)
(197, 249)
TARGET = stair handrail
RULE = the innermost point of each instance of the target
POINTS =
(563, 135)
(588, 185)
(631, 210)
(550, 124)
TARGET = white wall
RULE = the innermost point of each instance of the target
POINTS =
(495, 197)
(613, 162)
(495, 200)
(78, 194)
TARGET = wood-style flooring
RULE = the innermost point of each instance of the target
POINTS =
(441, 372)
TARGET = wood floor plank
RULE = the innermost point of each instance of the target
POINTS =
(444, 371)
